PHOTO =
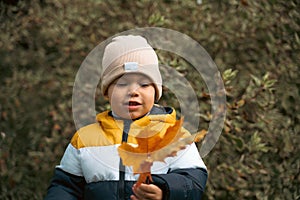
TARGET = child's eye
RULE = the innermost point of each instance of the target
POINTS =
(121, 84)
(145, 84)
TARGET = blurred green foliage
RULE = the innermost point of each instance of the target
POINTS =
(255, 44)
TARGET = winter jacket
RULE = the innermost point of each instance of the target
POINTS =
(91, 167)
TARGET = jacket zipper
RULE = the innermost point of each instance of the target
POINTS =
(121, 166)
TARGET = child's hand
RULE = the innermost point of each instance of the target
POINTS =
(146, 191)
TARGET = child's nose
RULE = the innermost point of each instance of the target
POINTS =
(133, 90)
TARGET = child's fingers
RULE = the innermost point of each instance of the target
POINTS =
(132, 197)
(147, 191)
(150, 188)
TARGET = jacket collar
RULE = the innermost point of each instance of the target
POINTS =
(158, 113)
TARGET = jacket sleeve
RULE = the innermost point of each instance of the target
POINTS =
(68, 181)
(65, 186)
(185, 184)
(186, 178)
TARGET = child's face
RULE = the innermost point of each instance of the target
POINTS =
(131, 96)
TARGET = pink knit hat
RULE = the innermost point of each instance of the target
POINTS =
(130, 54)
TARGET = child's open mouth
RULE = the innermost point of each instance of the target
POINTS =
(133, 105)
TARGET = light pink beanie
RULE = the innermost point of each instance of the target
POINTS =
(130, 54)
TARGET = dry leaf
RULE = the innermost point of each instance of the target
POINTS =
(157, 147)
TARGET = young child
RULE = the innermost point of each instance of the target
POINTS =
(91, 167)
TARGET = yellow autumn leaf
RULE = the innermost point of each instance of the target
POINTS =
(156, 147)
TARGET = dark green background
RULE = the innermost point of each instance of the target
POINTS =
(255, 45)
